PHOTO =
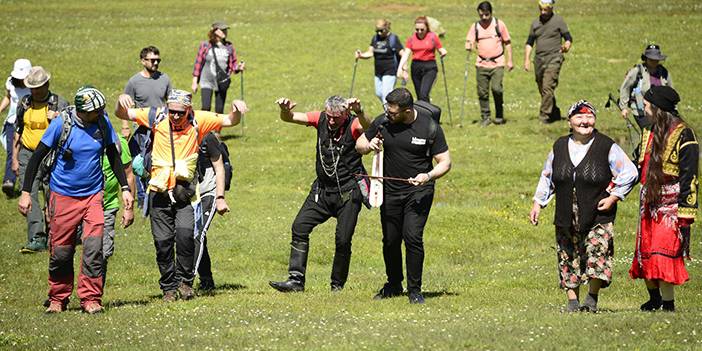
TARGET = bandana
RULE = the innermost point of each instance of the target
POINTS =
(89, 99)
(582, 107)
(180, 97)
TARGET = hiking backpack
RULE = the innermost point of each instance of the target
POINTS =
(499, 35)
(228, 168)
(66, 115)
(392, 44)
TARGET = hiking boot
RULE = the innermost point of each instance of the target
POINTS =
(416, 298)
(55, 307)
(387, 291)
(37, 244)
(499, 121)
(170, 296)
(290, 285)
(186, 291)
(589, 305)
(485, 122)
(8, 188)
(92, 307)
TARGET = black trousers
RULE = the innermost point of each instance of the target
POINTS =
(220, 97)
(321, 205)
(423, 77)
(172, 226)
(403, 217)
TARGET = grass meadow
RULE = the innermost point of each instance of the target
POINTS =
(490, 277)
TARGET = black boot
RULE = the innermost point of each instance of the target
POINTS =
(654, 302)
(340, 269)
(296, 269)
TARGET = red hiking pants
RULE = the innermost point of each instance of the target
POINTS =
(66, 214)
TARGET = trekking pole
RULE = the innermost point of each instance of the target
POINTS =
(465, 87)
(448, 102)
(241, 90)
(629, 125)
(353, 77)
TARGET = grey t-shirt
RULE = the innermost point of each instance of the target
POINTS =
(149, 92)
(548, 35)
(208, 77)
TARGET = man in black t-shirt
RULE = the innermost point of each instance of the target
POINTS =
(411, 140)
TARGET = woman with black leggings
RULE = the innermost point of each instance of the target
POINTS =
(214, 64)
(421, 45)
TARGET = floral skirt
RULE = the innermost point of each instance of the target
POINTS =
(585, 256)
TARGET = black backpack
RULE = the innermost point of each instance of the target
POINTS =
(228, 168)
(433, 110)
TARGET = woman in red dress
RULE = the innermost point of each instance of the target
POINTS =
(668, 165)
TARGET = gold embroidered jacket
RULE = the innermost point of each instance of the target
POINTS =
(680, 163)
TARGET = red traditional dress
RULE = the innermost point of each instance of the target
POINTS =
(660, 246)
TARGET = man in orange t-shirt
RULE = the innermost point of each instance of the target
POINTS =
(493, 43)
(177, 133)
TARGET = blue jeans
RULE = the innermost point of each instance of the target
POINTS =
(9, 138)
(383, 86)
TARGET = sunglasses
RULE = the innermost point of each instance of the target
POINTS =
(380, 31)
(153, 60)
(180, 113)
(420, 29)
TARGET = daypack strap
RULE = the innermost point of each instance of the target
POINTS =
(499, 35)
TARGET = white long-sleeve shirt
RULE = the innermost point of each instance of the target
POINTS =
(624, 173)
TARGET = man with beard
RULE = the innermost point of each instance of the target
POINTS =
(34, 114)
(411, 139)
(147, 88)
(335, 193)
(553, 40)
(80, 136)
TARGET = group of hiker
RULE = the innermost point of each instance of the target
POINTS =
(174, 166)
(84, 168)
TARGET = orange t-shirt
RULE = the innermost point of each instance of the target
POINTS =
(489, 44)
(186, 141)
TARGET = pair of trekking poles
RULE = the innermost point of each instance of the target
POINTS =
(404, 83)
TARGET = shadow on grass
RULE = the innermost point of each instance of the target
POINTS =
(233, 136)
(143, 302)
(441, 293)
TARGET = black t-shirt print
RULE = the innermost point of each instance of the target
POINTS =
(386, 60)
(405, 149)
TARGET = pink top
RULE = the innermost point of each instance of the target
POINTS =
(489, 44)
(423, 49)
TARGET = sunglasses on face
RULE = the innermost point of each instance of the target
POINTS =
(420, 29)
(179, 113)
(153, 60)
(380, 31)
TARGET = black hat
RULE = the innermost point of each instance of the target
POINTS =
(663, 97)
(653, 52)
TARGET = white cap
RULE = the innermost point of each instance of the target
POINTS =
(21, 69)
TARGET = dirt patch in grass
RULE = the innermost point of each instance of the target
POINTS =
(395, 8)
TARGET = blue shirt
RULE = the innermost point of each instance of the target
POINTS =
(82, 175)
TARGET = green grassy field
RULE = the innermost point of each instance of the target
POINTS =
(490, 277)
